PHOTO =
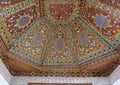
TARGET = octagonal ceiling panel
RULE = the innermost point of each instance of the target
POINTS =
(86, 43)
(17, 18)
(62, 11)
(33, 42)
(107, 24)
(18, 23)
(59, 51)
(104, 19)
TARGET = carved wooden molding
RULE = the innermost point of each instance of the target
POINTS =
(56, 84)
(25, 80)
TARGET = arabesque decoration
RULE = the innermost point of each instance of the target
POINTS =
(60, 38)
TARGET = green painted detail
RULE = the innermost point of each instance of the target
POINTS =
(104, 7)
(17, 7)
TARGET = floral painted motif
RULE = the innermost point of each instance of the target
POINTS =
(17, 23)
(35, 42)
(107, 24)
(59, 51)
(61, 11)
(85, 41)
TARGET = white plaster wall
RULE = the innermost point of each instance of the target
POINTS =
(101, 84)
(117, 82)
(115, 75)
(4, 72)
(3, 81)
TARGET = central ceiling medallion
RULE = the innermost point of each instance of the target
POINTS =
(61, 11)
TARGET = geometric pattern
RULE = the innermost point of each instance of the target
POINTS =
(111, 3)
(68, 38)
(6, 3)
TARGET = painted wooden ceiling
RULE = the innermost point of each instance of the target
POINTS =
(70, 38)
